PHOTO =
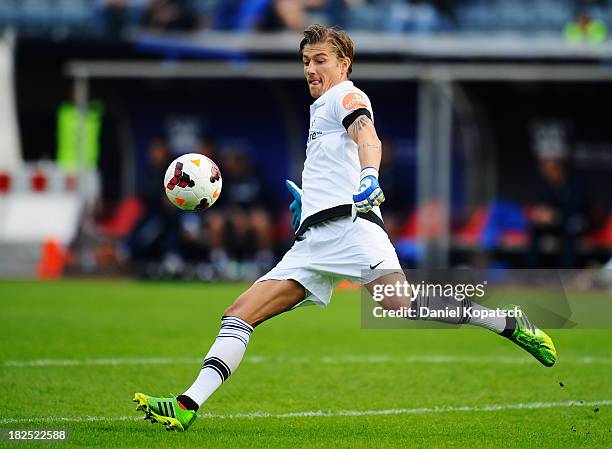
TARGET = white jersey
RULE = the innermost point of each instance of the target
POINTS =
(332, 169)
(360, 250)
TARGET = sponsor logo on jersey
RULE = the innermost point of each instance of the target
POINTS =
(354, 100)
(312, 135)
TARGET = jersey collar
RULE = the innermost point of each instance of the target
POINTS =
(321, 100)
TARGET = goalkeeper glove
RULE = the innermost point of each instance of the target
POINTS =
(370, 194)
(296, 205)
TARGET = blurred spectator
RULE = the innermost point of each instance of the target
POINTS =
(269, 15)
(560, 215)
(586, 25)
(275, 15)
(170, 15)
(293, 13)
(195, 237)
(240, 225)
(156, 235)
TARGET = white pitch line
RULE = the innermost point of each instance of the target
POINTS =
(360, 359)
(330, 413)
(113, 361)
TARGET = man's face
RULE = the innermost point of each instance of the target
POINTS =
(322, 68)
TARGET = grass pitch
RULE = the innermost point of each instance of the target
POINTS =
(74, 352)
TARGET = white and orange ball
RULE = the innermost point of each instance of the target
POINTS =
(193, 182)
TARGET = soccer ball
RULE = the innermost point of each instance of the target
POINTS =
(193, 182)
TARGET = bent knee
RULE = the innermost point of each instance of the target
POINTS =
(246, 307)
(236, 309)
(266, 299)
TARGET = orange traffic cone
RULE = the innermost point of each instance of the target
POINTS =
(347, 285)
(52, 260)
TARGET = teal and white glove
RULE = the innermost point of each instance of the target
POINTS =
(296, 205)
(370, 194)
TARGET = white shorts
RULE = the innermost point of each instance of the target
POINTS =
(333, 251)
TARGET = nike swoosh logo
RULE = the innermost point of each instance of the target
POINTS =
(374, 266)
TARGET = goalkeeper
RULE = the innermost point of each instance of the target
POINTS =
(339, 234)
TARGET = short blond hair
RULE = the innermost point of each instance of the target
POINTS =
(340, 41)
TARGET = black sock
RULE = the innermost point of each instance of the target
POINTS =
(188, 402)
(510, 327)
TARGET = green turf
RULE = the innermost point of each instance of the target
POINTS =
(323, 369)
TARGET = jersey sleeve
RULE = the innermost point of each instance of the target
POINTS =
(349, 105)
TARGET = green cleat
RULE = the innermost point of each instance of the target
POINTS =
(166, 411)
(533, 340)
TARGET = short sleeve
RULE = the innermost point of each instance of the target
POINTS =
(351, 104)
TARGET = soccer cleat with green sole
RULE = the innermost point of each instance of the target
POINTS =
(535, 341)
(166, 411)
